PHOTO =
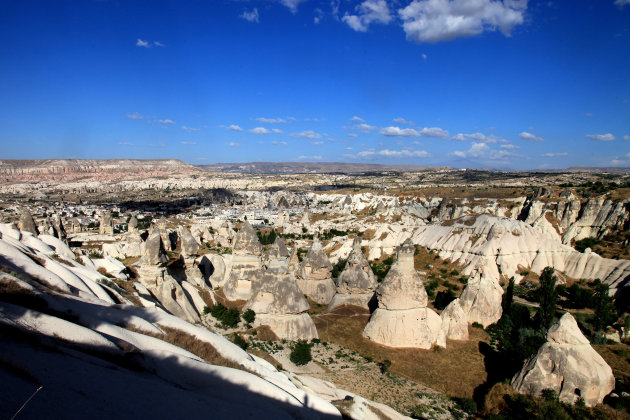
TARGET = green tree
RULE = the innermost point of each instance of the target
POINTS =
(605, 311)
(548, 298)
(508, 297)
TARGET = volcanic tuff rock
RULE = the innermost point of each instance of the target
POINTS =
(454, 321)
(315, 275)
(357, 283)
(151, 266)
(402, 318)
(246, 264)
(26, 222)
(481, 299)
(279, 302)
(107, 224)
(567, 364)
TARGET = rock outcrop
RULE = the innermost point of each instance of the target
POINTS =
(246, 264)
(357, 283)
(189, 254)
(402, 318)
(567, 364)
(454, 321)
(279, 302)
(481, 299)
(26, 223)
(106, 226)
(151, 267)
(315, 275)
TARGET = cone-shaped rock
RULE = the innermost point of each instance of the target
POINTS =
(27, 223)
(481, 299)
(279, 302)
(225, 234)
(315, 276)
(151, 267)
(454, 321)
(60, 230)
(402, 318)
(132, 226)
(107, 224)
(190, 247)
(357, 283)
(246, 265)
(567, 364)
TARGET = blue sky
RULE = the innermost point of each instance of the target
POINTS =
(506, 84)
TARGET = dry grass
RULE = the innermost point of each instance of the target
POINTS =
(455, 371)
(131, 292)
(220, 298)
(494, 401)
(619, 363)
(104, 272)
(265, 333)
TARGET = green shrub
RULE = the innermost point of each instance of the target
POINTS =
(239, 341)
(249, 316)
(228, 317)
(582, 244)
(301, 353)
(443, 298)
(385, 365)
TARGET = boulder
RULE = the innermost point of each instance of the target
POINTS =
(567, 364)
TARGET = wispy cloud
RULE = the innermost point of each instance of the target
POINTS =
(166, 121)
(626, 137)
(364, 128)
(358, 119)
(125, 143)
(251, 16)
(270, 120)
(622, 3)
(292, 4)
(368, 12)
(190, 128)
(601, 137)
(401, 120)
(622, 160)
(135, 116)
(553, 155)
(316, 143)
(310, 157)
(234, 127)
(276, 131)
(279, 143)
(530, 137)
(189, 143)
(393, 153)
(309, 134)
(399, 132)
(233, 144)
(142, 43)
(260, 130)
(482, 150)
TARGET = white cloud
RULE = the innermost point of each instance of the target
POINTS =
(276, 131)
(279, 143)
(601, 137)
(189, 143)
(135, 116)
(551, 155)
(626, 137)
(622, 160)
(259, 130)
(234, 127)
(435, 132)
(444, 20)
(621, 3)
(393, 153)
(424, 56)
(358, 119)
(399, 132)
(125, 143)
(347, 148)
(142, 43)
(291, 4)
(530, 137)
(250, 16)
(364, 128)
(352, 135)
(509, 146)
(190, 128)
(270, 120)
(368, 12)
(316, 143)
(482, 150)
(401, 120)
(319, 15)
(473, 136)
(233, 144)
(158, 44)
(307, 135)
(167, 121)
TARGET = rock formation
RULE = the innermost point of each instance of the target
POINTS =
(481, 299)
(189, 253)
(60, 231)
(454, 321)
(567, 364)
(106, 226)
(172, 297)
(225, 234)
(357, 283)
(26, 222)
(402, 318)
(151, 267)
(132, 225)
(246, 264)
(315, 275)
(279, 302)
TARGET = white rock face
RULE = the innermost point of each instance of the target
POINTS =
(173, 298)
(454, 321)
(357, 283)
(246, 265)
(481, 300)
(314, 277)
(567, 364)
(402, 318)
